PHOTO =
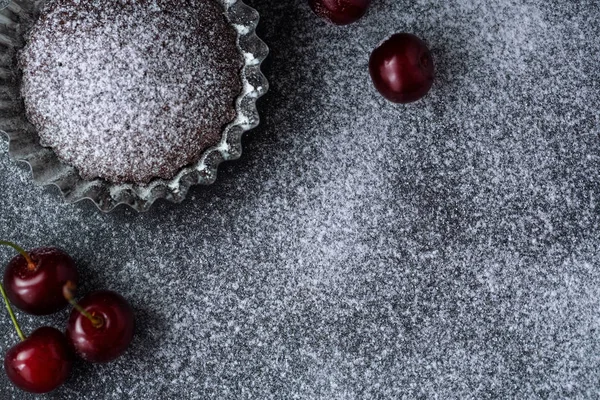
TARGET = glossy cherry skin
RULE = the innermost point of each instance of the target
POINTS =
(108, 341)
(41, 363)
(39, 290)
(340, 12)
(402, 68)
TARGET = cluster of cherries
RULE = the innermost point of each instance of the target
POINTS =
(401, 67)
(100, 327)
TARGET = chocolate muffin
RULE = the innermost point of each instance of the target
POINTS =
(131, 90)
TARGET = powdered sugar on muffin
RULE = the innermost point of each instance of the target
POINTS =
(131, 90)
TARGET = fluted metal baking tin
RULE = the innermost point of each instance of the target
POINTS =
(15, 21)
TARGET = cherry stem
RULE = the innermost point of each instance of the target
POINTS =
(68, 293)
(12, 314)
(18, 248)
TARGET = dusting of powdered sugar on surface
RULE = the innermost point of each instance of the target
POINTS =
(446, 249)
(132, 91)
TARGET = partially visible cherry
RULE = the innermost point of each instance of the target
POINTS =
(101, 326)
(40, 363)
(34, 280)
(340, 12)
(402, 68)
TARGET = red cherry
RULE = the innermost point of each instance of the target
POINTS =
(101, 327)
(340, 12)
(34, 281)
(402, 68)
(40, 363)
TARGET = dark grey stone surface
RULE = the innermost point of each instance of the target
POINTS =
(447, 249)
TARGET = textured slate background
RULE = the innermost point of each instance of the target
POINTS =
(362, 250)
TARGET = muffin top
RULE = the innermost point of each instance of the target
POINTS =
(131, 90)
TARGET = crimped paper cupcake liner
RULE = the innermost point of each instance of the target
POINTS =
(15, 21)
